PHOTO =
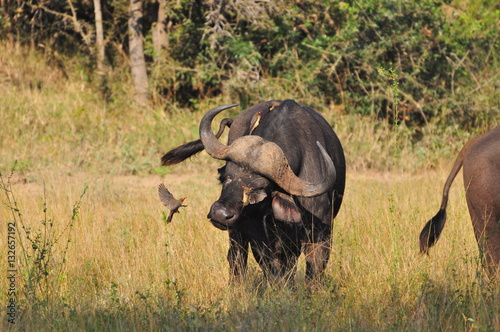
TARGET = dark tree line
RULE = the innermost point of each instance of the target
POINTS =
(412, 61)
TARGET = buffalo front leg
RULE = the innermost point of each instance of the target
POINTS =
(237, 255)
(317, 255)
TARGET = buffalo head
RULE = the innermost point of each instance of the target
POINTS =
(257, 171)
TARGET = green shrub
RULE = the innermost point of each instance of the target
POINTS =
(321, 53)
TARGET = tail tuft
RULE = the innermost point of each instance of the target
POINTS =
(431, 231)
(189, 149)
(181, 153)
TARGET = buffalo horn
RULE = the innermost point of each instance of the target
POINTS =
(212, 145)
(265, 158)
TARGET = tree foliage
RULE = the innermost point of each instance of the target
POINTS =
(443, 55)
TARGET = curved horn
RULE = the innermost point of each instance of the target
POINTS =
(212, 145)
(269, 160)
(265, 158)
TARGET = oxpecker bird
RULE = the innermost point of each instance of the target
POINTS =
(169, 201)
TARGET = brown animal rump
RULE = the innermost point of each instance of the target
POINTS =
(480, 159)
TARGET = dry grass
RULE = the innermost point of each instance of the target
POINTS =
(126, 269)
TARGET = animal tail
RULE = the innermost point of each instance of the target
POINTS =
(181, 153)
(189, 149)
(431, 231)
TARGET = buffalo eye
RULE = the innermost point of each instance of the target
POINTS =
(222, 174)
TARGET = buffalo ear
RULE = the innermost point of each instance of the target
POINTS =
(284, 208)
(256, 196)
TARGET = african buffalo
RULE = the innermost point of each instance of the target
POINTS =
(480, 158)
(282, 185)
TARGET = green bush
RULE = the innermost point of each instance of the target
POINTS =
(444, 55)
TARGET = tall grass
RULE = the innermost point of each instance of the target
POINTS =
(126, 270)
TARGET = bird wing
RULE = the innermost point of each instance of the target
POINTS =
(165, 196)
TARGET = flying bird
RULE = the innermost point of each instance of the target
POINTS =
(169, 201)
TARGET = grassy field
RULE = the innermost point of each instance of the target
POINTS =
(126, 269)
(93, 253)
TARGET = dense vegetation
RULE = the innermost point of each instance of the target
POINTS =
(404, 84)
(406, 61)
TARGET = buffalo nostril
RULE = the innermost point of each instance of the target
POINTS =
(221, 213)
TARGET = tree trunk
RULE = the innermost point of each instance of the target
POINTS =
(160, 35)
(99, 49)
(137, 60)
(4, 7)
(8, 7)
(99, 40)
